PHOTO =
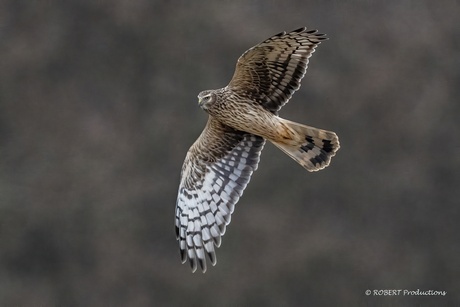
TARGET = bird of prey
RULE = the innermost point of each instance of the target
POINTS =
(242, 116)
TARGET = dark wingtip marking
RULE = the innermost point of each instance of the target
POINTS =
(280, 34)
(193, 264)
(183, 255)
(300, 30)
(202, 265)
(212, 257)
(217, 240)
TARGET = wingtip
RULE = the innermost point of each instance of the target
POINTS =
(193, 264)
(280, 34)
(312, 34)
(217, 240)
(203, 265)
(300, 30)
(321, 36)
(183, 256)
(212, 257)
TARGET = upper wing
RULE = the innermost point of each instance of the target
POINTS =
(270, 72)
(215, 173)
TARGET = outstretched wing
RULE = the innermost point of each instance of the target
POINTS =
(215, 173)
(271, 71)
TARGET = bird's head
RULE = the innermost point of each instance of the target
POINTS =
(206, 99)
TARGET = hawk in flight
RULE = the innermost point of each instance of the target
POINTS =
(242, 116)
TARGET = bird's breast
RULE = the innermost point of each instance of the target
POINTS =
(252, 118)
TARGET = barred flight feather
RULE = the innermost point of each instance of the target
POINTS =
(201, 220)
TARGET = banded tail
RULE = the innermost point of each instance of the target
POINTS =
(311, 147)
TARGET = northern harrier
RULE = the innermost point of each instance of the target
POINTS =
(242, 116)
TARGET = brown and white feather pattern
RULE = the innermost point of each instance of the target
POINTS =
(243, 115)
(271, 71)
(214, 175)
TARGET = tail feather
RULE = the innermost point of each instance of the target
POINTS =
(311, 147)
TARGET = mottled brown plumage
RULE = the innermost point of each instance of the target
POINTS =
(242, 116)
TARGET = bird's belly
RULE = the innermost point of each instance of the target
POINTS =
(256, 120)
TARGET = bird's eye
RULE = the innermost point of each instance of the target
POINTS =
(207, 98)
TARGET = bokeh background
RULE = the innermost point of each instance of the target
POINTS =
(98, 108)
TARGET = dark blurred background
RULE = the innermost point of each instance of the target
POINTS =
(98, 108)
